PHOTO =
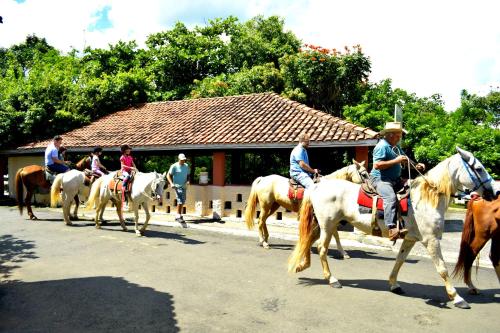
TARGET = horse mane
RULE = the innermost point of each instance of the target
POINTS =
(437, 183)
(339, 174)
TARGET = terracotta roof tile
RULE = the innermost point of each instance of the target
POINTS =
(255, 118)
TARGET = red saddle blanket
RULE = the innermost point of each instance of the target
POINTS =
(295, 193)
(366, 200)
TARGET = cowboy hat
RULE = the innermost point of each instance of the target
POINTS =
(182, 157)
(393, 127)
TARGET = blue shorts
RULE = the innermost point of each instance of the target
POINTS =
(180, 193)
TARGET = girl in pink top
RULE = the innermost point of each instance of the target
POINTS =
(127, 165)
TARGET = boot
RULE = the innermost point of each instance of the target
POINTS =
(395, 233)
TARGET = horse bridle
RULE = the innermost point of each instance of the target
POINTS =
(474, 175)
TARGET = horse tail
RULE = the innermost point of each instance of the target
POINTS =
(55, 190)
(466, 255)
(252, 204)
(306, 234)
(94, 193)
(19, 190)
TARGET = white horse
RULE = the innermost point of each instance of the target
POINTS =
(145, 188)
(271, 192)
(71, 183)
(336, 200)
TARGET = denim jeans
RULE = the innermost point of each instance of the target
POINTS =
(303, 179)
(58, 168)
(387, 190)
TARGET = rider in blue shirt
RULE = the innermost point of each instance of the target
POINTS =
(386, 173)
(52, 159)
(300, 170)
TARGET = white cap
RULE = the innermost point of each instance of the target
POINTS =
(182, 157)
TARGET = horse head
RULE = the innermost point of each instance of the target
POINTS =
(358, 172)
(158, 184)
(474, 176)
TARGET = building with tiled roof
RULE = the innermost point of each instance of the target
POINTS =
(264, 120)
(221, 127)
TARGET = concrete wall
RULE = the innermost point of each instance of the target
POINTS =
(227, 201)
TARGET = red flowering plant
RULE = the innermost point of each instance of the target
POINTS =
(326, 79)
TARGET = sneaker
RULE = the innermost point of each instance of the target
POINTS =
(181, 221)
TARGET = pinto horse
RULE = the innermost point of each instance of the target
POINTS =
(271, 192)
(482, 223)
(334, 200)
(32, 177)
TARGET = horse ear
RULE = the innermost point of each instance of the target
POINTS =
(465, 154)
(356, 163)
(362, 163)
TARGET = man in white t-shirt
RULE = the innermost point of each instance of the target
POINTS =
(178, 178)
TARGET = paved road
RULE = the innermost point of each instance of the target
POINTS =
(75, 279)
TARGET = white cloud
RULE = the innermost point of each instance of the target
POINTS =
(425, 46)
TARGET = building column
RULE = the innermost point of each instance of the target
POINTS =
(219, 168)
(362, 155)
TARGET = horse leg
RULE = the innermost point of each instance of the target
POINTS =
(66, 209)
(136, 220)
(480, 239)
(344, 254)
(324, 243)
(495, 254)
(27, 203)
(434, 249)
(148, 216)
(404, 251)
(98, 214)
(119, 211)
(75, 211)
(263, 232)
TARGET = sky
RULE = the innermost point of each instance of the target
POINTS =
(426, 46)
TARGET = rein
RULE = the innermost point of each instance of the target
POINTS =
(476, 179)
(398, 151)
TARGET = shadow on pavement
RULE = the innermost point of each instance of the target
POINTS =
(94, 304)
(433, 295)
(12, 252)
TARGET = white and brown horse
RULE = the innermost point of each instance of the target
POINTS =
(334, 200)
(271, 192)
(482, 223)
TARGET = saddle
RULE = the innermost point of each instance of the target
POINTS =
(116, 183)
(296, 190)
(50, 176)
(370, 202)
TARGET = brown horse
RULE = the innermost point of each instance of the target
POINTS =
(32, 177)
(482, 223)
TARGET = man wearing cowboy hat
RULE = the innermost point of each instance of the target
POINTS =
(178, 178)
(386, 173)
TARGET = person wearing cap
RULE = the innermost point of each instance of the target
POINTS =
(300, 170)
(386, 173)
(52, 160)
(96, 166)
(178, 178)
(127, 165)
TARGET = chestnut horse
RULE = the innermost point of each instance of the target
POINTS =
(33, 178)
(482, 223)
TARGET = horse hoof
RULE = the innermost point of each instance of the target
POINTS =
(124, 229)
(346, 256)
(69, 224)
(104, 222)
(266, 246)
(98, 226)
(33, 218)
(462, 305)
(336, 285)
(473, 291)
(138, 233)
(398, 291)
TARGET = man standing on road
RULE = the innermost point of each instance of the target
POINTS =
(178, 178)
